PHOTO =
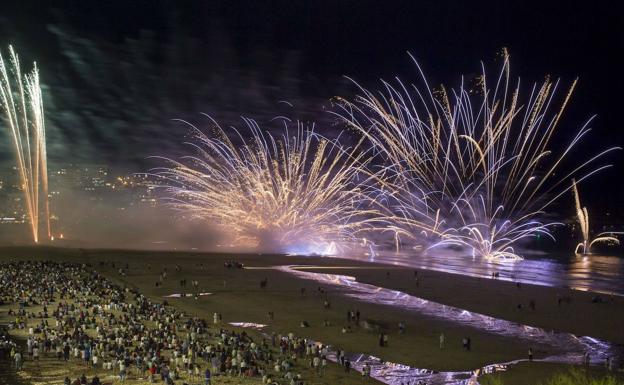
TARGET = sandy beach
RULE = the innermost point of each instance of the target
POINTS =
(237, 294)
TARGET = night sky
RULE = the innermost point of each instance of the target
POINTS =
(117, 72)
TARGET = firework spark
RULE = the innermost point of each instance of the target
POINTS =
(298, 191)
(583, 220)
(472, 168)
(23, 109)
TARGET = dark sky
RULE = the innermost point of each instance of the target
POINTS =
(235, 58)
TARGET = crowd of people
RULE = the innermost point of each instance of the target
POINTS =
(71, 314)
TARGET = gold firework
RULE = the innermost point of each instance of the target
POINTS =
(583, 220)
(297, 191)
(23, 109)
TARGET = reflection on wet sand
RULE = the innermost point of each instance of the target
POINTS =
(248, 325)
(603, 274)
(568, 347)
(182, 295)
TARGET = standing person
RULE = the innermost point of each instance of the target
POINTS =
(122, 370)
(87, 356)
(59, 352)
(530, 354)
(214, 362)
(366, 370)
(152, 372)
(207, 376)
(316, 363)
(18, 360)
(442, 338)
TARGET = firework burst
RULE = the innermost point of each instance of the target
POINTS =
(583, 219)
(474, 167)
(23, 109)
(294, 192)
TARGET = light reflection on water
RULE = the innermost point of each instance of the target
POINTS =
(566, 348)
(183, 295)
(604, 274)
(248, 325)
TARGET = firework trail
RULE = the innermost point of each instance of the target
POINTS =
(472, 167)
(294, 192)
(23, 109)
(583, 220)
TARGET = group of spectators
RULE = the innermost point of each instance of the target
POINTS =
(71, 314)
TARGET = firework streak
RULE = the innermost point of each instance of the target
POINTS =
(296, 192)
(471, 168)
(23, 109)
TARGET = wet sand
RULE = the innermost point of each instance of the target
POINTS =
(500, 299)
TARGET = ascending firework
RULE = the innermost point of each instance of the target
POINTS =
(471, 168)
(295, 192)
(23, 109)
(583, 220)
